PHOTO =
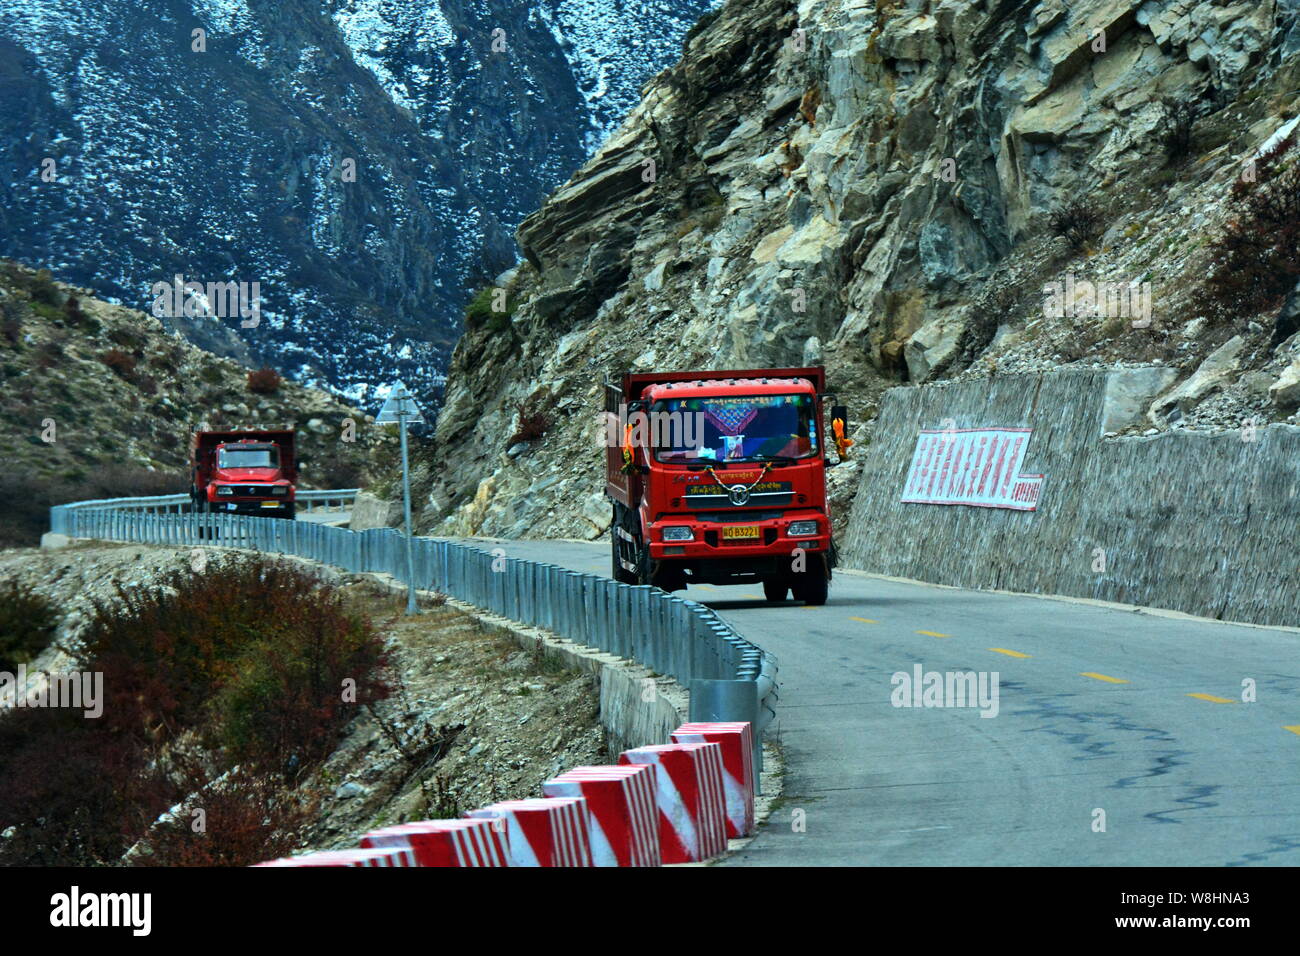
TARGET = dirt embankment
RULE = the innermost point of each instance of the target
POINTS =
(471, 719)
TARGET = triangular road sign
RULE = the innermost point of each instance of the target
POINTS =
(399, 404)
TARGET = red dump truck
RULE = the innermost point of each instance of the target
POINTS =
(244, 472)
(720, 478)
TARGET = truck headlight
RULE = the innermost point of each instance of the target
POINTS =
(225, 490)
(678, 533)
(279, 490)
(801, 529)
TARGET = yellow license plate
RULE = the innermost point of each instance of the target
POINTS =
(740, 531)
(270, 504)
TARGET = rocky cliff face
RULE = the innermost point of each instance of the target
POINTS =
(364, 161)
(887, 187)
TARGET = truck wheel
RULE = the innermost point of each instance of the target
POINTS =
(812, 587)
(643, 564)
(619, 573)
(647, 573)
(775, 589)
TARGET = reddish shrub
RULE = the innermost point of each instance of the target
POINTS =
(1257, 257)
(264, 381)
(75, 795)
(1078, 221)
(27, 624)
(50, 353)
(248, 658)
(252, 653)
(240, 818)
(43, 288)
(533, 424)
(122, 363)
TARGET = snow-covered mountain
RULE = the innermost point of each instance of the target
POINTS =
(364, 161)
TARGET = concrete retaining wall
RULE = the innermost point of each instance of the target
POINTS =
(1203, 523)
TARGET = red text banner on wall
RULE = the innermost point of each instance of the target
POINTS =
(972, 466)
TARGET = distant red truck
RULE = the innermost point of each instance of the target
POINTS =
(720, 477)
(244, 472)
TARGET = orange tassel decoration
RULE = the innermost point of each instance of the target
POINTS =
(628, 455)
(842, 444)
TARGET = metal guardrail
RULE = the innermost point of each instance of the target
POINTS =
(729, 677)
(328, 499)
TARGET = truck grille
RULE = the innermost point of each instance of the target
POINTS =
(737, 517)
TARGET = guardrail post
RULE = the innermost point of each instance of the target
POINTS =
(730, 700)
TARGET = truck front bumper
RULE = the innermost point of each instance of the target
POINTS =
(714, 541)
(267, 508)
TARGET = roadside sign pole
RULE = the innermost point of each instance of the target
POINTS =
(406, 501)
(399, 409)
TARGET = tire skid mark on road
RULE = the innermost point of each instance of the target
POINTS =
(1164, 763)
(1280, 844)
(1197, 799)
(1095, 733)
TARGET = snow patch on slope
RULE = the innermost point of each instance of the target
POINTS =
(371, 27)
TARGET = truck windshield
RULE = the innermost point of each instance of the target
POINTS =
(248, 458)
(741, 428)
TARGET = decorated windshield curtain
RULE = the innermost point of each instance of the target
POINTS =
(730, 419)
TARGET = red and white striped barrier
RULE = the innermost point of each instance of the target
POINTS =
(737, 766)
(375, 856)
(692, 807)
(548, 831)
(621, 812)
(445, 842)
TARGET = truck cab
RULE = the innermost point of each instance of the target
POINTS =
(720, 478)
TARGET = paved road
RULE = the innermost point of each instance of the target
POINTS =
(1097, 711)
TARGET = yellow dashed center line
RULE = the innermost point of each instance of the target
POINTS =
(1108, 680)
(864, 620)
(1212, 699)
(1003, 650)
(933, 634)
